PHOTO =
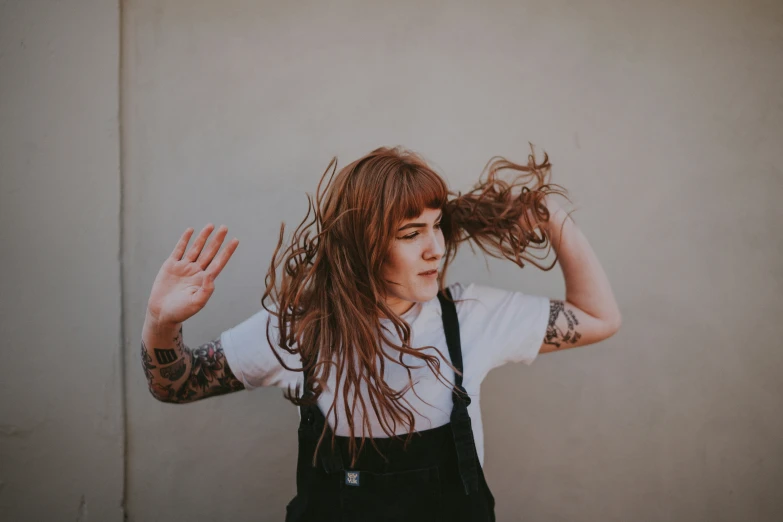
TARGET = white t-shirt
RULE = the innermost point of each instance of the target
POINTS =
(496, 327)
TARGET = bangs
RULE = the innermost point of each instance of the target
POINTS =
(420, 189)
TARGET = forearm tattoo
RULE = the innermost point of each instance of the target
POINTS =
(175, 371)
(555, 335)
(165, 356)
(209, 374)
(146, 363)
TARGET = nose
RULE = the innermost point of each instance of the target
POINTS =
(435, 247)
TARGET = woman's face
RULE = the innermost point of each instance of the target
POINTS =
(417, 247)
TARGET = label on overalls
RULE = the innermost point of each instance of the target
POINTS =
(352, 478)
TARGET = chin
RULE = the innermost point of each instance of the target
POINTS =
(421, 293)
(427, 294)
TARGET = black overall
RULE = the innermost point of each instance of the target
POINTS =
(437, 478)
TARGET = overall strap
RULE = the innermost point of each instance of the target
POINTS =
(311, 425)
(462, 429)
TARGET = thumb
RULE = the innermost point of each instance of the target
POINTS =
(208, 284)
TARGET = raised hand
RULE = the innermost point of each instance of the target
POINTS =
(185, 283)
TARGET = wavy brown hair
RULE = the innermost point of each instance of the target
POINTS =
(329, 296)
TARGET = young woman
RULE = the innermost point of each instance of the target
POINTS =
(383, 359)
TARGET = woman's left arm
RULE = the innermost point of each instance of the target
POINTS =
(589, 313)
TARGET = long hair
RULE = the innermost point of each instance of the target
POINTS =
(330, 295)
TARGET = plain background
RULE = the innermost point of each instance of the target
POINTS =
(123, 124)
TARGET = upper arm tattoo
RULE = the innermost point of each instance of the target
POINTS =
(565, 333)
(209, 374)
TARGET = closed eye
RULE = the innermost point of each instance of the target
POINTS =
(414, 234)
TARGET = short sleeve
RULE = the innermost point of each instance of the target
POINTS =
(502, 326)
(250, 356)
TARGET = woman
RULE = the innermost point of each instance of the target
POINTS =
(360, 300)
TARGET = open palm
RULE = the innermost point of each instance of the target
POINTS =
(186, 281)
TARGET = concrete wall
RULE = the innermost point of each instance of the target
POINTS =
(663, 120)
(61, 415)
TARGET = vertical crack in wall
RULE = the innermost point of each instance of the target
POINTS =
(81, 512)
(120, 257)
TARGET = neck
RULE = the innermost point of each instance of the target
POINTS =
(400, 306)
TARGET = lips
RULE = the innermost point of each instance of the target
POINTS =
(428, 272)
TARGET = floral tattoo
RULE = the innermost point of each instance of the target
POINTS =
(209, 374)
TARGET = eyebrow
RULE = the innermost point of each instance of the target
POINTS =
(418, 225)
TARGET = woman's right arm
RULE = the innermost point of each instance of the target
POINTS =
(176, 373)
(179, 374)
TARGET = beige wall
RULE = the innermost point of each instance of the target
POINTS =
(664, 120)
(61, 427)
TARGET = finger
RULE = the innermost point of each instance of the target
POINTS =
(198, 244)
(220, 261)
(214, 244)
(179, 249)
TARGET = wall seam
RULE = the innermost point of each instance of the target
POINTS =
(121, 257)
